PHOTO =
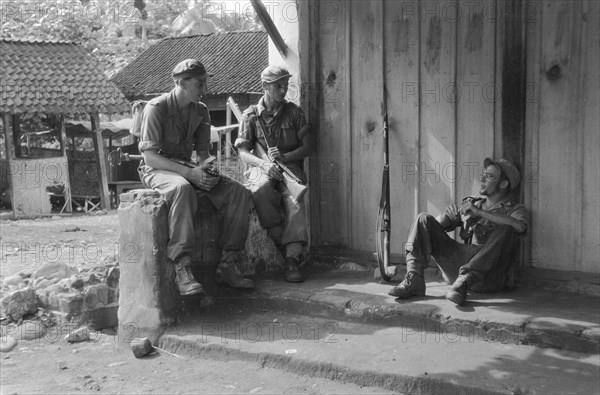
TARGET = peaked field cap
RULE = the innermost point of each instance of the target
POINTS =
(190, 68)
(508, 168)
(274, 73)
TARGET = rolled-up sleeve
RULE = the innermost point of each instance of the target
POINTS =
(202, 138)
(152, 133)
(247, 134)
(520, 213)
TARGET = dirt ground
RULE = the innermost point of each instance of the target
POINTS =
(50, 365)
(78, 240)
(100, 366)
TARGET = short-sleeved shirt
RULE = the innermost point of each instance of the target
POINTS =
(481, 228)
(282, 128)
(163, 129)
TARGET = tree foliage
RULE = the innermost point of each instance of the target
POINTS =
(112, 30)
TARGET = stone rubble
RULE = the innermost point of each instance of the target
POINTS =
(58, 293)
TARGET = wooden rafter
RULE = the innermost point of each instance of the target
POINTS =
(270, 27)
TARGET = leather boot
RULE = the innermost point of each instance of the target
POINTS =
(184, 278)
(229, 273)
(458, 291)
(292, 273)
(413, 285)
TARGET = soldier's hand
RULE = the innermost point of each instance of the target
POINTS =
(202, 179)
(452, 211)
(273, 171)
(273, 153)
(468, 208)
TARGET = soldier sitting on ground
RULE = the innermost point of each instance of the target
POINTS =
(490, 225)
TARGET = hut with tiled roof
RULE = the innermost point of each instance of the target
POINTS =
(235, 58)
(52, 80)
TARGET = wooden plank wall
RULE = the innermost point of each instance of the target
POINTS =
(562, 134)
(440, 61)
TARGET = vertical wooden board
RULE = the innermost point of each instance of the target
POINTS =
(476, 92)
(402, 78)
(530, 179)
(366, 120)
(591, 126)
(438, 104)
(558, 237)
(334, 132)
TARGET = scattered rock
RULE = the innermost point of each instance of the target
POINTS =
(61, 365)
(7, 343)
(141, 347)
(79, 335)
(43, 283)
(112, 277)
(12, 280)
(92, 384)
(74, 229)
(20, 303)
(52, 270)
(91, 279)
(31, 330)
(352, 266)
(78, 283)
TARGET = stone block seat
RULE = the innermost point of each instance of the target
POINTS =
(148, 297)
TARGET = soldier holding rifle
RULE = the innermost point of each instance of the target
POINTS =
(277, 133)
(173, 125)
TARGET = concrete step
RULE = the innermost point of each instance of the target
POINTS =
(522, 316)
(404, 358)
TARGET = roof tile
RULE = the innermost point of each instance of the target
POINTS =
(235, 58)
(43, 76)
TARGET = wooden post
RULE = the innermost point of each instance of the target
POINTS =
(63, 149)
(7, 137)
(227, 137)
(16, 134)
(100, 161)
(270, 27)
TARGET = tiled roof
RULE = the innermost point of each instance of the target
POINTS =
(54, 77)
(235, 58)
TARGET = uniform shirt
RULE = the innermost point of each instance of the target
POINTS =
(163, 129)
(481, 228)
(282, 128)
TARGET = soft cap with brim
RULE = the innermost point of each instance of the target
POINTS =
(507, 168)
(274, 73)
(190, 68)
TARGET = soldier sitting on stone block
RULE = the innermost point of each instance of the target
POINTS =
(173, 125)
(274, 139)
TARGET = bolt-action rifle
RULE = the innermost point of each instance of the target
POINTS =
(208, 165)
(292, 182)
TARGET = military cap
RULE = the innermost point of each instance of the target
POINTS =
(510, 171)
(190, 68)
(274, 73)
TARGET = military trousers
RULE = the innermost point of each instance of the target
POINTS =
(230, 199)
(280, 213)
(489, 264)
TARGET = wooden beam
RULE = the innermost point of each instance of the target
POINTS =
(63, 135)
(63, 149)
(270, 27)
(16, 134)
(100, 162)
(7, 136)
